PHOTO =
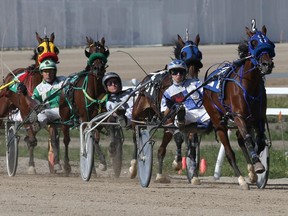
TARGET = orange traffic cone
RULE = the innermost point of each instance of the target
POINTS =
(183, 165)
(203, 166)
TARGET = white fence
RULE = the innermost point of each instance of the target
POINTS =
(277, 91)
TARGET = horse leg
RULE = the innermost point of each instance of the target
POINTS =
(249, 143)
(251, 173)
(261, 138)
(223, 136)
(133, 162)
(161, 154)
(66, 141)
(192, 148)
(177, 163)
(54, 139)
(103, 165)
(31, 141)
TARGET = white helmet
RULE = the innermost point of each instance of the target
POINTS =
(47, 64)
(177, 64)
(109, 75)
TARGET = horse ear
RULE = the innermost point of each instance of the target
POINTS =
(89, 41)
(248, 32)
(87, 54)
(264, 29)
(52, 37)
(39, 39)
(197, 39)
(103, 41)
(180, 40)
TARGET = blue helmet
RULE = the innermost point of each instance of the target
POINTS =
(177, 64)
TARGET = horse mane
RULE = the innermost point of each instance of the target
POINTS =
(243, 50)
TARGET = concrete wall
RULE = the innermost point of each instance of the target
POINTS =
(138, 22)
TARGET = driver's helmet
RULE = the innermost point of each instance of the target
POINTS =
(109, 75)
(177, 64)
(47, 64)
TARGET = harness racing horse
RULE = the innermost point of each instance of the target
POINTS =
(85, 97)
(146, 108)
(30, 76)
(10, 100)
(241, 98)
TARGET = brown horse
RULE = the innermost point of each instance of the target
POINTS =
(30, 76)
(85, 96)
(241, 98)
(10, 100)
(146, 108)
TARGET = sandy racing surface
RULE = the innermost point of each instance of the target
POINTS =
(47, 194)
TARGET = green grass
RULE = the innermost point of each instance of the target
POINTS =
(278, 160)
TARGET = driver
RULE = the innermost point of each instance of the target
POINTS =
(47, 91)
(113, 85)
(191, 109)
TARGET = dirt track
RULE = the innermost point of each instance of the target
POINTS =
(46, 194)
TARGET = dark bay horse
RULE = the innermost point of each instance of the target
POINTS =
(241, 98)
(146, 108)
(85, 97)
(10, 100)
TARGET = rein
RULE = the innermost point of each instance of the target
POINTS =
(248, 98)
(89, 101)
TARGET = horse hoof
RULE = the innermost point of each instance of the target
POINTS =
(243, 184)
(57, 167)
(31, 170)
(67, 168)
(259, 168)
(252, 177)
(162, 179)
(245, 187)
(102, 167)
(133, 169)
(177, 165)
(195, 181)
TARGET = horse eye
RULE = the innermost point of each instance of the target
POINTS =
(40, 49)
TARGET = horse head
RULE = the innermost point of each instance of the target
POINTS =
(189, 52)
(261, 49)
(46, 49)
(96, 47)
(97, 55)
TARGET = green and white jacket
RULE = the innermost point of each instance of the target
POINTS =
(45, 90)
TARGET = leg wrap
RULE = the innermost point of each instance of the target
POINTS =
(178, 138)
(250, 148)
